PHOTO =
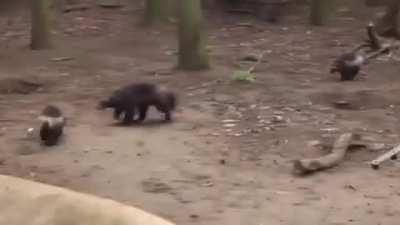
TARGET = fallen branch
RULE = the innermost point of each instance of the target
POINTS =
(305, 166)
(359, 47)
(379, 46)
(392, 154)
(373, 42)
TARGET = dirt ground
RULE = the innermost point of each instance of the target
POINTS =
(226, 158)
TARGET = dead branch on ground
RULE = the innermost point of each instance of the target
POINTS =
(306, 166)
(392, 154)
(377, 45)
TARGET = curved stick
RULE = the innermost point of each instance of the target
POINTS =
(305, 166)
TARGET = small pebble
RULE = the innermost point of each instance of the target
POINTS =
(228, 125)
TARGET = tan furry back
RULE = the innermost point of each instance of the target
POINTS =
(24, 202)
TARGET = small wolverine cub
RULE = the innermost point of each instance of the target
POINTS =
(348, 65)
(52, 125)
(139, 97)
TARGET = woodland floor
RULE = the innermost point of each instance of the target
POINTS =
(197, 170)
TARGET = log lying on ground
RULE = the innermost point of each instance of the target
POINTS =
(305, 166)
(25, 202)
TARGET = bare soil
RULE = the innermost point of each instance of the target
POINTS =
(226, 158)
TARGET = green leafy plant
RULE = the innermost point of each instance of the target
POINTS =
(243, 76)
(247, 75)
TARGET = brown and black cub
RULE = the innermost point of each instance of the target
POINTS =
(139, 97)
(52, 125)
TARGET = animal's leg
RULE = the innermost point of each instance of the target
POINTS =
(143, 112)
(129, 114)
(117, 113)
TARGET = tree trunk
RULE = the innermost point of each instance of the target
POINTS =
(41, 24)
(192, 40)
(172, 8)
(156, 11)
(388, 25)
(320, 11)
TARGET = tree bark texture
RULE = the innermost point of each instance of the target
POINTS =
(40, 24)
(192, 39)
(156, 11)
(320, 11)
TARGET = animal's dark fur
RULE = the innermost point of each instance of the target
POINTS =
(137, 98)
(52, 125)
(348, 65)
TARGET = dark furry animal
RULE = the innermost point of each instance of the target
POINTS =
(139, 97)
(52, 125)
(348, 65)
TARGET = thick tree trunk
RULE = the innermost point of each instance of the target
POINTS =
(192, 40)
(320, 11)
(41, 24)
(172, 8)
(156, 11)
